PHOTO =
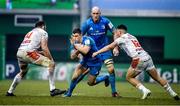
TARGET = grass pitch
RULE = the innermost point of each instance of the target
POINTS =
(33, 92)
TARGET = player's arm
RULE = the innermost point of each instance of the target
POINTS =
(45, 49)
(113, 31)
(84, 49)
(116, 49)
(106, 48)
(74, 54)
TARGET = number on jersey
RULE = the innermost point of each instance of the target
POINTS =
(136, 43)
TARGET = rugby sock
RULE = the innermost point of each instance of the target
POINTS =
(112, 82)
(51, 80)
(101, 78)
(168, 88)
(141, 87)
(15, 82)
(72, 86)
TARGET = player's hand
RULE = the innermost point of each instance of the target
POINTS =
(71, 40)
(94, 54)
(77, 45)
(115, 51)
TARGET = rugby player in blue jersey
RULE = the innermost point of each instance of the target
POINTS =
(85, 46)
(97, 27)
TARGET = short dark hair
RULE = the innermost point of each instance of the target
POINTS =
(122, 27)
(76, 30)
(40, 24)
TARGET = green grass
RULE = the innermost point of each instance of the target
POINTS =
(37, 93)
(38, 4)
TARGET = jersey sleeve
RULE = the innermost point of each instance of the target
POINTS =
(87, 42)
(119, 41)
(46, 35)
(84, 28)
(109, 25)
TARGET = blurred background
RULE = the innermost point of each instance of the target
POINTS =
(156, 23)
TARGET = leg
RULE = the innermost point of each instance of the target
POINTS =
(130, 77)
(46, 62)
(153, 73)
(75, 79)
(93, 79)
(23, 70)
(84, 72)
(110, 67)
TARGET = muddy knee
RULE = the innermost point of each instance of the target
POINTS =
(90, 84)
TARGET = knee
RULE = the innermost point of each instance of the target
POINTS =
(110, 68)
(23, 73)
(51, 65)
(24, 69)
(128, 77)
(90, 83)
(109, 65)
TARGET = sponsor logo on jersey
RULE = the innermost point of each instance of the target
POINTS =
(91, 28)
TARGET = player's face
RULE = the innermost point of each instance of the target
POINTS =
(77, 37)
(95, 15)
(119, 32)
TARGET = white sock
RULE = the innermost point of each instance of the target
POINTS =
(168, 88)
(141, 87)
(51, 80)
(15, 82)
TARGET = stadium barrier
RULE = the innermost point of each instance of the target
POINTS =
(2, 56)
(64, 71)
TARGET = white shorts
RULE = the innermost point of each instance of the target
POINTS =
(33, 57)
(140, 65)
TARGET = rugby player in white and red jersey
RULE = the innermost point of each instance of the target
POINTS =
(28, 52)
(141, 60)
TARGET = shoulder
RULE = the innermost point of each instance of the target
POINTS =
(120, 39)
(88, 21)
(87, 40)
(43, 32)
(104, 19)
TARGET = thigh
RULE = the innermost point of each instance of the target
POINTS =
(150, 65)
(153, 73)
(78, 71)
(132, 73)
(106, 55)
(38, 59)
(138, 65)
(94, 70)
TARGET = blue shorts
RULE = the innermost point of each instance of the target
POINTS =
(93, 70)
(106, 55)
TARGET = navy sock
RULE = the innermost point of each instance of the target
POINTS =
(112, 82)
(72, 86)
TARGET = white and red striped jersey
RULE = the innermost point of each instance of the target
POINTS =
(32, 40)
(131, 46)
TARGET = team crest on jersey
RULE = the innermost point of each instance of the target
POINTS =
(103, 27)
